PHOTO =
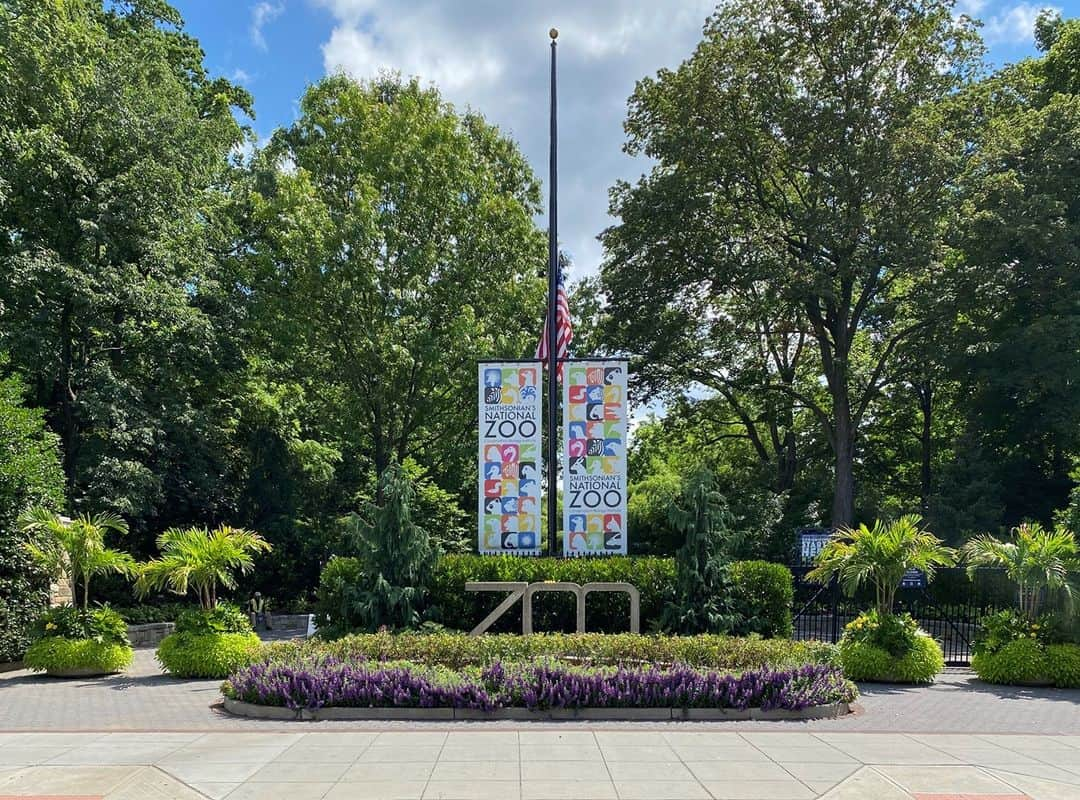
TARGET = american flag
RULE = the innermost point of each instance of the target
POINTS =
(564, 331)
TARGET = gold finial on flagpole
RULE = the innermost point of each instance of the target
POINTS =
(554, 34)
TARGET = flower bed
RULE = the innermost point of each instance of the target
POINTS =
(330, 683)
(458, 651)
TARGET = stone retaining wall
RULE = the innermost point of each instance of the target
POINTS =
(151, 634)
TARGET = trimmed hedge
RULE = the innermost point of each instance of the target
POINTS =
(60, 654)
(209, 644)
(762, 594)
(207, 655)
(866, 662)
(890, 649)
(556, 611)
(1028, 661)
(457, 650)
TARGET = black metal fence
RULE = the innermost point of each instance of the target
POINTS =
(950, 608)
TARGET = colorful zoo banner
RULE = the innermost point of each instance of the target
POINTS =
(594, 458)
(509, 457)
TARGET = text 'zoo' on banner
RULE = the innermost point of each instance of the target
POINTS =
(509, 457)
(594, 457)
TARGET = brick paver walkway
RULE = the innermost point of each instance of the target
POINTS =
(145, 699)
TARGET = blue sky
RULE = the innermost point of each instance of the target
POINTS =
(492, 55)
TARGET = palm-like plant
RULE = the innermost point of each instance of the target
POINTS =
(1035, 560)
(199, 559)
(880, 556)
(74, 549)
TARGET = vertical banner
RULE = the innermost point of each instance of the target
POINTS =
(509, 457)
(594, 458)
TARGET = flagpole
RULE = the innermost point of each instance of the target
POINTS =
(552, 321)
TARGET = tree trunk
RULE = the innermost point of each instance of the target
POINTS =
(786, 463)
(926, 396)
(843, 507)
(65, 397)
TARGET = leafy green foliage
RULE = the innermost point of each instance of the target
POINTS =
(335, 601)
(998, 630)
(457, 650)
(222, 618)
(608, 612)
(145, 613)
(1038, 561)
(114, 142)
(1063, 665)
(55, 654)
(103, 625)
(200, 559)
(760, 595)
(889, 648)
(190, 654)
(879, 556)
(391, 268)
(74, 549)
(396, 559)
(1018, 661)
(701, 591)
(30, 475)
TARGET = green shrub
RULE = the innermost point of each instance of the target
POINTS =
(998, 630)
(222, 618)
(334, 605)
(457, 650)
(206, 655)
(1063, 665)
(30, 475)
(889, 648)
(1018, 661)
(608, 612)
(60, 654)
(103, 625)
(865, 662)
(761, 596)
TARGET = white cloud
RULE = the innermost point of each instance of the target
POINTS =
(262, 13)
(1015, 25)
(493, 55)
(239, 76)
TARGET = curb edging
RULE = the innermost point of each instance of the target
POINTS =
(255, 711)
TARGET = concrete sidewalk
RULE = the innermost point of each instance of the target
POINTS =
(538, 763)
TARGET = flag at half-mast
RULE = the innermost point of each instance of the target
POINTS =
(564, 331)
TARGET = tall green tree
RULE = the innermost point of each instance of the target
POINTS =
(805, 152)
(114, 143)
(393, 244)
(1018, 236)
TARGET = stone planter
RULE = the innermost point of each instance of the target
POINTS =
(78, 673)
(240, 708)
